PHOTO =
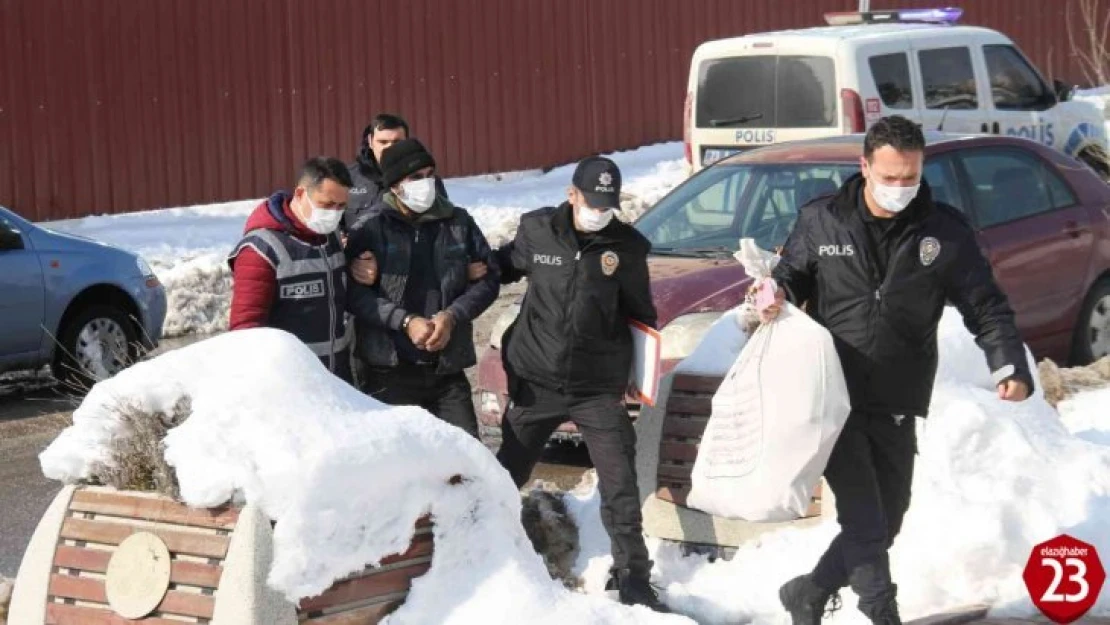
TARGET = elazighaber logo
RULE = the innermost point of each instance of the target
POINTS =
(1064, 577)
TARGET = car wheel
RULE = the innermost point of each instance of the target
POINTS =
(1092, 332)
(96, 344)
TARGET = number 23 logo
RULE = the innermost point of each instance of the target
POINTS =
(1079, 577)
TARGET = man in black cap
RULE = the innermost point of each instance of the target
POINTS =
(414, 334)
(569, 352)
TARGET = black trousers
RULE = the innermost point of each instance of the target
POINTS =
(447, 396)
(607, 430)
(870, 472)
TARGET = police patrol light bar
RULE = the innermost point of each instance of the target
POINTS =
(947, 15)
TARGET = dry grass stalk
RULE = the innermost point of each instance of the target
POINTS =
(1060, 384)
(553, 532)
(137, 460)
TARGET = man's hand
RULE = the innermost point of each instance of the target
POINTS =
(771, 312)
(1013, 390)
(419, 331)
(444, 324)
(364, 269)
(476, 271)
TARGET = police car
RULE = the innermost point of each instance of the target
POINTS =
(773, 87)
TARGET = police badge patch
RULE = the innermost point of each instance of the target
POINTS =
(929, 250)
(609, 262)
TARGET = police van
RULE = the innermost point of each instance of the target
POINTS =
(764, 88)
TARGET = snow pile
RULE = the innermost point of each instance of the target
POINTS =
(188, 247)
(993, 478)
(345, 476)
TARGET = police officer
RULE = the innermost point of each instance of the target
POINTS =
(289, 271)
(569, 352)
(877, 263)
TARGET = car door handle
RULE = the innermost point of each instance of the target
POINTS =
(1074, 230)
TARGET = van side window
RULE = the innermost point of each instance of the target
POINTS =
(948, 78)
(891, 73)
(1015, 86)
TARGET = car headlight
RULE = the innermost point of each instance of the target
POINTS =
(682, 336)
(144, 267)
(503, 322)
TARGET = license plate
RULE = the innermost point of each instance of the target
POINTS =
(712, 155)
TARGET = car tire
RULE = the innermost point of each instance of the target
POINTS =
(81, 361)
(1092, 331)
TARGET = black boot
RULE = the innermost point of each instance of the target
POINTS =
(805, 600)
(878, 595)
(634, 588)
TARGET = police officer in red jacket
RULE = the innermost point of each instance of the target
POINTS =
(289, 269)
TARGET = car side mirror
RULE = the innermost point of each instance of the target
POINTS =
(1062, 89)
(10, 239)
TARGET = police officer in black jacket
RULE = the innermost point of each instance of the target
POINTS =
(569, 352)
(876, 264)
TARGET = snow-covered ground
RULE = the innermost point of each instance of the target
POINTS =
(993, 479)
(188, 247)
(345, 476)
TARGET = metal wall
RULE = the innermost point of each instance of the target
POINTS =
(120, 105)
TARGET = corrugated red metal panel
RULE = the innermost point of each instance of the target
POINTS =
(111, 106)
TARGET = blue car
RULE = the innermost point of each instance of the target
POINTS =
(85, 308)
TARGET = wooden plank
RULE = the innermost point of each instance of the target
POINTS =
(148, 509)
(679, 473)
(92, 590)
(96, 561)
(684, 427)
(365, 587)
(61, 614)
(674, 495)
(698, 405)
(366, 615)
(204, 545)
(422, 545)
(687, 452)
(696, 383)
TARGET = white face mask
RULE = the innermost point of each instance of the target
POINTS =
(893, 199)
(322, 220)
(591, 221)
(419, 195)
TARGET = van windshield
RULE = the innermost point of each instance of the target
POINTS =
(709, 214)
(772, 91)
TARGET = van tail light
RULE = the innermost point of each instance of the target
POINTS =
(687, 119)
(852, 107)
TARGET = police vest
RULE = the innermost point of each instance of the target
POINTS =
(311, 292)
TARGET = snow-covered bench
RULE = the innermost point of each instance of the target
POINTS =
(97, 558)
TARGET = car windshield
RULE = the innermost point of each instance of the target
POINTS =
(710, 213)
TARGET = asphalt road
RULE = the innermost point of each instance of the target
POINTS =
(34, 409)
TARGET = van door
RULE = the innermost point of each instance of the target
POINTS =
(886, 82)
(954, 93)
(1021, 101)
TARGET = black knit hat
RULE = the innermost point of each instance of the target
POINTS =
(403, 159)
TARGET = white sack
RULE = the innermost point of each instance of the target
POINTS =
(774, 421)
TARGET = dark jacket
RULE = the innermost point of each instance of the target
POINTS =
(379, 310)
(290, 278)
(368, 188)
(885, 326)
(572, 332)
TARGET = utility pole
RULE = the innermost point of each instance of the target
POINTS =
(864, 6)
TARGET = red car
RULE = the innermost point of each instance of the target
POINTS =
(1043, 220)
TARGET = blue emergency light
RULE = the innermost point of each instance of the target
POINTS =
(947, 15)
